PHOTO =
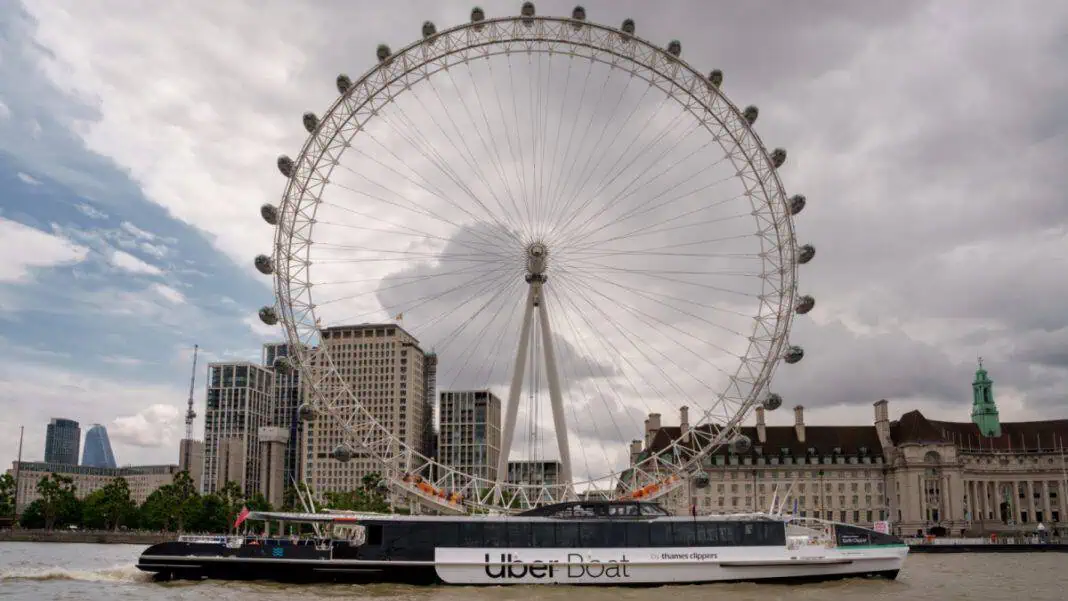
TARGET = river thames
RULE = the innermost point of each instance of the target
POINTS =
(39, 571)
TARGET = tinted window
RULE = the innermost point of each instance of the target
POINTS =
(683, 534)
(543, 535)
(660, 534)
(471, 535)
(447, 535)
(567, 535)
(592, 535)
(494, 534)
(637, 534)
(518, 534)
(727, 534)
(615, 534)
(706, 534)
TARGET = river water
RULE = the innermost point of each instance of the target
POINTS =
(42, 571)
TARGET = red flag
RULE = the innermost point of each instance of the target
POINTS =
(241, 516)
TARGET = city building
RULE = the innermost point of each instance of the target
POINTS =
(142, 479)
(383, 365)
(62, 441)
(534, 472)
(240, 401)
(97, 451)
(191, 459)
(430, 394)
(921, 475)
(273, 442)
(288, 396)
(469, 432)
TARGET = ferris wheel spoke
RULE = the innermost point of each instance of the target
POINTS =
(468, 353)
(613, 353)
(569, 213)
(409, 281)
(648, 205)
(621, 166)
(492, 151)
(493, 275)
(653, 228)
(659, 325)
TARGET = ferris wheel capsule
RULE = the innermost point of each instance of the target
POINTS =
(772, 402)
(343, 83)
(342, 453)
(269, 213)
(628, 29)
(578, 14)
(778, 157)
(429, 29)
(741, 444)
(264, 264)
(797, 203)
(477, 16)
(527, 11)
(715, 78)
(282, 365)
(793, 355)
(306, 412)
(805, 304)
(674, 48)
(701, 480)
(310, 122)
(750, 113)
(383, 52)
(268, 315)
(805, 253)
(285, 165)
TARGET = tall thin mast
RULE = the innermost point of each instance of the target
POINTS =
(190, 414)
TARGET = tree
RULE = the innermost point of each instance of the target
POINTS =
(109, 507)
(185, 497)
(7, 494)
(57, 498)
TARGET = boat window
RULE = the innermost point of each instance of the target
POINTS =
(494, 534)
(637, 534)
(518, 534)
(660, 534)
(683, 534)
(567, 535)
(579, 511)
(629, 509)
(652, 510)
(374, 534)
(706, 534)
(447, 534)
(471, 535)
(615, 534)
(543, 535)
(592, 534)
(727, 534)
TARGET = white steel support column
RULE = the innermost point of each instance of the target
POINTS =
(554, 390)
(518, 371)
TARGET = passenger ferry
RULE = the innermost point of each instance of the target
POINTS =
(588, 543)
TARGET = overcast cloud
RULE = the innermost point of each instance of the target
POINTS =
(930, 139)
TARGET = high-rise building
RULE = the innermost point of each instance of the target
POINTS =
(288, 396)
(240, 400)
(191, 460)
(62, 441)
(273, 441)
(430, 392)
(97, 451)
(535, 472)
(469, 438)
(383, 365)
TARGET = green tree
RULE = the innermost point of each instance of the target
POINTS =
(157, 512)
(109, 507)
(213, 515)
(7, 494)
(185, 498)
(58, 499)
(32, 515)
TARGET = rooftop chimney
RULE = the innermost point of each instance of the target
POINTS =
(684, 423)
(651, 426)
(799, 423)
(635, 450)
(762, 431)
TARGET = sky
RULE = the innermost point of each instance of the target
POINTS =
(136, 146)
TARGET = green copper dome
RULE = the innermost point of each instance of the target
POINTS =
(984, 410)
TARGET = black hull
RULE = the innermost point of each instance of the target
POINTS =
(423, 575)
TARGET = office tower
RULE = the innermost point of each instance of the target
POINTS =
(62, 441)
(97, 451)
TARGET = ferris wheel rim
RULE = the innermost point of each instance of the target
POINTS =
(296, 195)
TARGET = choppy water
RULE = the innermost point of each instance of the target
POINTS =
(43, 571)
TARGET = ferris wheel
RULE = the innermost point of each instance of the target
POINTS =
(576, 221)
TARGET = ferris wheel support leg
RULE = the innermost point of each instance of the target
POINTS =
(559, 423)
(512, 412)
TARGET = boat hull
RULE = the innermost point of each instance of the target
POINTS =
(495, 567)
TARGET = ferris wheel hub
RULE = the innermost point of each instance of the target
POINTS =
(537, 259)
